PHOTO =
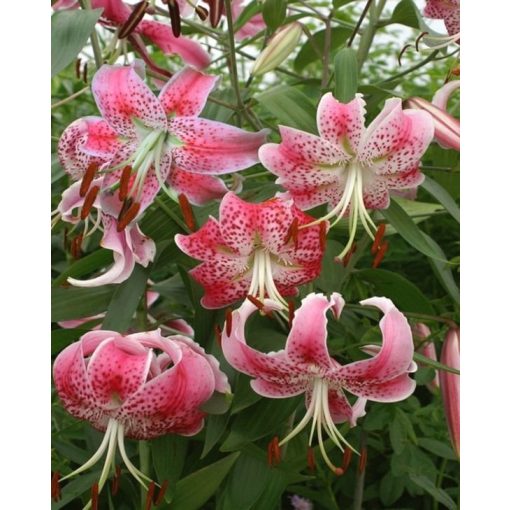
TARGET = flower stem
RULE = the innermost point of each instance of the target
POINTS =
(144, 452)
(94, 39)
(368, 35)
(70, 98)
(358, 24)
(360, 479)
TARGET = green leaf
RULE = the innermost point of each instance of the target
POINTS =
(405, 226)
(437, 448)
(406, 295)
(390, 489)
(424, 360)
(70, 30)
(61, 338)
(398, 434)
(444, 198)
(346, 74)
(405, 13)
(307, 53)
(274, 12)
(86, 265)
(75, 488)
(290, 107)
(219, 403)
(216, 425)
(125, 300)
(193, 491)
(437, 493)
(76, 303)
(168, 456)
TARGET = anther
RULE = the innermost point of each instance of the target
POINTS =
(362, 460)
(276, 451)
(217, 334)
(116, 481)
(339, 471)
(133, 20)
(129, 215)
(161, 493)
(292, 307)
(87, 179)
(348, 255)
(187, 212)
(85, 69)
(94, 497)
(216, 10)
(380, 254)
(77, 68)
(378, 238)
(89, 202)
(228, 321)
(418, 39)
(399, 58)
(347, 459)
(292, 233)
(124, 182)
(55, 486)
(202, 12)
(175, 17)
(323, 226)
(150, 495)
(270, 453)
(76, 246)
(259, 304)
(310, 459)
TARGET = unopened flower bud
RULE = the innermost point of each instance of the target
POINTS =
(278, 49)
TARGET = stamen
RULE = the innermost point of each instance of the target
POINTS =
(292, 233)
(124, 183)
(323, 234)
(94, 497)
(270, 453)
(150, 495)
(276, 450)
(187, 212)
(175, 17)
(349, 254)
(89, 202)
(85, 69)
(292, 307)
(380, 254)
(228, 321)
(362, 460)
(310, 459)
(134, 19)
(255, 301)
(87, 179)
(77, 68)
(378, 238)
(217, 334)
(347, 459)
(128, 216)
(76, 246)
(202, 12)
(161, 493)
(400, 55)
(55, 486)
(418, 39)
(116, 481)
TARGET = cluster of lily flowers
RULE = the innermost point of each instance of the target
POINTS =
(143, 385)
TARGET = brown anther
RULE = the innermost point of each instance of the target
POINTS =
(202, 12)
(55, 486)
(187, 212)
(380, 254)
(347, 459)
(77, 68)
(339, 471)
(323, 230)
(217, 334)
(161, 493)
(418, 39)
(116, 481)
(270, 453)
(259, 304)
(292, 307)
(348, 255)
(362, 460)
(399, 58)
(175, 17)
(456, 71)
(378, 238)
(94, 497)
(87, 179)
(89, 202)
(228, 321)
(133, 20)
(124, 182)
(215, 11)
(292, 233)
(85, 70)
(150, 495)
(310, 459)
(76, 246)
(128, 216)
(276, 450)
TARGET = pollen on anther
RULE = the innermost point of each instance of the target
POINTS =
(87, 179)
(310, 459)
(378, 238)
(94, 497)
(124, 182)
(55, 486)
(228, 321)
(362, 460)
(161, 493)
(380, 254)
(150, 496)
(89, 202)
(187, 212)
(128, 216)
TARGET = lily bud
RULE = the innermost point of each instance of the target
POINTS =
(450, 385)
(278, 49)
(446, 127)
(428, 349)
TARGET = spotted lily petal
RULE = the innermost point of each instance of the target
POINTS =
(199, 189)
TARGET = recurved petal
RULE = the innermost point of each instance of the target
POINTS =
(198, 188)
(144, 248)
(202, 244)
(307, 340)
(384, 376)
(213, 147)
(396, 139)
(340, 123)
(190, 51)
(442, 95)
(277, 390)
(341, 410)
(274, 218)
(185, 94)
(123, 97)
(71, 200)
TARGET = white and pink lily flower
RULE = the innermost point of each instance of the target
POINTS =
(116, 13)
(256, 250)
(428, 349)
(305, 366)
(349, 167)
(129, 245)
(448, 11)
(252, 27)
(143, 140)
(126, 387)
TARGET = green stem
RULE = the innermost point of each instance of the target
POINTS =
(70, 98)
(172, 215)
(360, 249)
(325, 57)
(94, 39)
(360, 479)
(439, 480)
(358, 24)
(145, 453)
(369, 33)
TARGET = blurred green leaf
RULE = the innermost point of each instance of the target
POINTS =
(274, 12)
(445, 199)
(406, 13)
(436, 492)
(75, 302)
(390, 489)
(86, 265)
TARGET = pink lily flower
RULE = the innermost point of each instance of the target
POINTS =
(446, 126)
(448, 11)
(116, 13)
(349, 167)
(305, 366)
(142, 140)
(126, 386)
(129, 245)
(252, 27)
(450, 386)
(428, 349)
(255, 250)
